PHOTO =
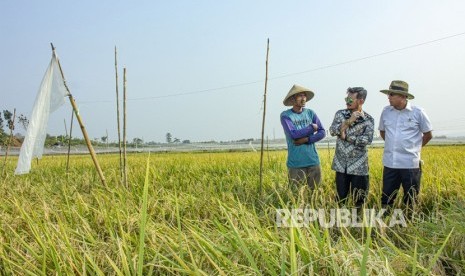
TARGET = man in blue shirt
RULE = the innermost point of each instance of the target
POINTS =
(303, 129)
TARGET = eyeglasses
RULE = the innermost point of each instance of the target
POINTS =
(349, 100)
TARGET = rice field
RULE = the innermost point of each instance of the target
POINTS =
(203, 214)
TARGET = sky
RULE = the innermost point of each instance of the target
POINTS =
(196, 69)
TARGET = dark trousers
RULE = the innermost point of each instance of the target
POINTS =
(357, 185)
(393, 178)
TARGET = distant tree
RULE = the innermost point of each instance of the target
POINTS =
(137, 141)
(104, 139)
(186, 141)
(62, 138)
(50, 140)
(168, 137)
(176, 140)
(9, 119)
(23, 120)
(2, 132)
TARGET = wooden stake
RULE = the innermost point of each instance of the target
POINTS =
(125, 175)
(329, 153)
(81, 124)
(106, 131)
(9, 141)
(66, 129)
(264, 113)
(118, 120)
(69, 141)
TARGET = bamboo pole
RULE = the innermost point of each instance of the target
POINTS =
(10, 138)
(264, 113)
(106, 131)
(118, 119)
(124, 131)
(327, 139)
(81, 124)
(66, 129)
(69, 141)
(66, 134)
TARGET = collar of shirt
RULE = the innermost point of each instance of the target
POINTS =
(408, 107)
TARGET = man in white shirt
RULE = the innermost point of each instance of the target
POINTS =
(405, 129)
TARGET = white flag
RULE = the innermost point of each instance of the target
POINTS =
(51, 96)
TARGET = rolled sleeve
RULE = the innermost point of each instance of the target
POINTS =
(335, 128)
(425, 123)
(320, 133)
(365, 137)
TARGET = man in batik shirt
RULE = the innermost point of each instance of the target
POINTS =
(354, 130)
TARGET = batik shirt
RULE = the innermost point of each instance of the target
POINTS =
(351, 155)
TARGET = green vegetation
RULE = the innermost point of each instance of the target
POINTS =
(200, 213)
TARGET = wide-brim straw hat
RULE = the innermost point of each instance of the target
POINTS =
(398, 87)
(296, 89)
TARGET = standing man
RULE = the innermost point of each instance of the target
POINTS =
(354, 129)
(405, 129)
(303, 129)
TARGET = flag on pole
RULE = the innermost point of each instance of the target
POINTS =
(51, 96)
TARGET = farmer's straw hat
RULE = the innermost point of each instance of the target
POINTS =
(398, 87)
(296, 89)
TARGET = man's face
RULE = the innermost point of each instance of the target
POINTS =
(300, 99)
(396, 100)
(352, 102)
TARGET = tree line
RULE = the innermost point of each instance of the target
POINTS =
(8, 121)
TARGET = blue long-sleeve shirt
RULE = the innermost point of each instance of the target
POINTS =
(299, 125)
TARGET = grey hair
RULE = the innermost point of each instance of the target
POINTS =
(361, 92)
